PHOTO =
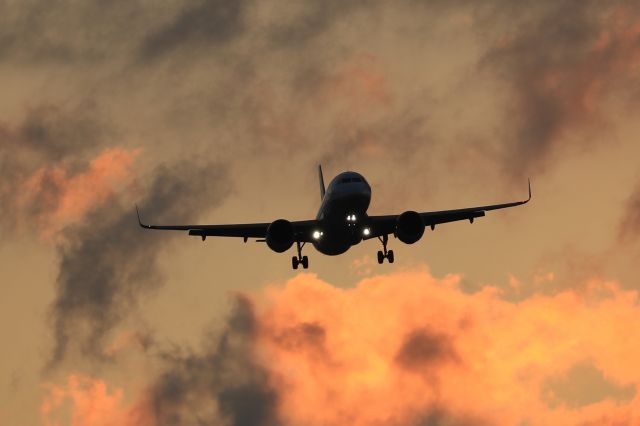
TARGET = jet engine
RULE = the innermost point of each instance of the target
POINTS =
(280, 235)
(409, 227)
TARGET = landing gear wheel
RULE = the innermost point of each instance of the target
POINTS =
(384, 254)
(299, 259)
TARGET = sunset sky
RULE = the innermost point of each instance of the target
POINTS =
(219, 111)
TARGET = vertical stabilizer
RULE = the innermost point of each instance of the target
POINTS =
(321, 179)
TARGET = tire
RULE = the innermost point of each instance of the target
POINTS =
(380, 257)
(390, 256)
(294, 262)
(305, 262)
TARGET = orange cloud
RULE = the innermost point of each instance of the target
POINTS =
(91, 404)
(410, 349)
(58, 197)
(401, 349)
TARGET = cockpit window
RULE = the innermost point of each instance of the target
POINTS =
(351, 179)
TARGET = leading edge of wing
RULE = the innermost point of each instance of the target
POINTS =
(244, 230)
(481, 208)
(168, 227)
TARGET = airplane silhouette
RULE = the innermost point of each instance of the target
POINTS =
(341, 222)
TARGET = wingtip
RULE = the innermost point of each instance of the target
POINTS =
(139, 220)
(529, 181)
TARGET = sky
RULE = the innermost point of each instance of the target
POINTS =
(219, 111)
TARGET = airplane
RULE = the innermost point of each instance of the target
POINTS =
(341, 222)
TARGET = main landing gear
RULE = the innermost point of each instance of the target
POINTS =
(384, 253)
(300, 259)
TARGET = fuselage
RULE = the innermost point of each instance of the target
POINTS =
(342, 217)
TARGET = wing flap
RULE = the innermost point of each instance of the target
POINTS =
(250, 230)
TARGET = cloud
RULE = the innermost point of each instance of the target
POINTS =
(222, 385)
(107, 261)
(414, 349)
(306, 83)
(406, 349)
(584, 384)
(201, 24)
(562, 59)
(47, 166)
(92, 404)
(315, 18)
(629, 226)
(422, 348)
(55, 199)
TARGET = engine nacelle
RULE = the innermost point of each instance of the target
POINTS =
(409, 227)
(280, 235)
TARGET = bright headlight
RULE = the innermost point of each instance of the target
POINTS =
(366, 231)
(316, 235)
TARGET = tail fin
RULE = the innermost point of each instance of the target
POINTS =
(321, 182)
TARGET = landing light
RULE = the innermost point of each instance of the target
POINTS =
(366, 231)
(316, 235)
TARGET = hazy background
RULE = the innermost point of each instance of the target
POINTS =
(219, 112)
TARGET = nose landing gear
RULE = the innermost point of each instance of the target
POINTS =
(300, 259)
(384, 253)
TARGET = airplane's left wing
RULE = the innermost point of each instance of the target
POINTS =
(302, 229)
(385, 225)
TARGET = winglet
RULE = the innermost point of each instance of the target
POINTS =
(529, 180)
(321, 179)
(139, 220)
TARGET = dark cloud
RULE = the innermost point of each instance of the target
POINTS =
(423, 348)
(205, 23)
(47, 136)
(222, 385)
(442, 416)
(305, 338)
(108, 262)
(315, 19)
(629, 227)
(49, 133)
(67, 33)
(545, 52)
(559, 75)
